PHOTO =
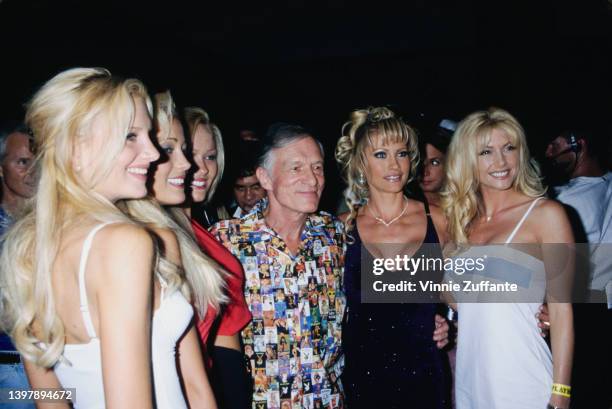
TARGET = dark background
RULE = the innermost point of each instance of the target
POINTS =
(251, 64)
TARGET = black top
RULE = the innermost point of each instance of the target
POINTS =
(391, 360)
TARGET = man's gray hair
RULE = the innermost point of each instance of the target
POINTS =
(7, 129)
(280, 135)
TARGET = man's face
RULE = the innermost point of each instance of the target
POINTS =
(296, 180)
(248, 192)
(559, 154)
(17, 181)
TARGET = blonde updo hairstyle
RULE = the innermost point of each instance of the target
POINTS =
(195, 116)
(461, 199)
(359, 132)
(61, 115)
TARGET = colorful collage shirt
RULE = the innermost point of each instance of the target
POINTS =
(293, 343)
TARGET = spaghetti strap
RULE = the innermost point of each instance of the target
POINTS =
(82, 291)
(426, 204)
(520, 223)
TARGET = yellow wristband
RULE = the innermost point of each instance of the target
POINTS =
(560, 389)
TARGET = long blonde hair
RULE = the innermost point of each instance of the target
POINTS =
(200, 278)
(60, 116)
(460, 195)
(195, 116)
(357, 134)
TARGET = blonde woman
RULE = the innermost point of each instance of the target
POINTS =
(231, 379)
(198, 276)
(76, 272)
(391, 351)
(494, 196)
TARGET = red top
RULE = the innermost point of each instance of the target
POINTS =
(235, 314)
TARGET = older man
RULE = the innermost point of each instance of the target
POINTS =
(293, 259)
(15, 162)
(17, 186)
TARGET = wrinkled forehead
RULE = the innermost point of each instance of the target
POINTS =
(304, 150)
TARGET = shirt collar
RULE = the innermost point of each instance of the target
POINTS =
(314, 225)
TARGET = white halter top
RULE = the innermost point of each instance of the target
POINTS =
(81, 366)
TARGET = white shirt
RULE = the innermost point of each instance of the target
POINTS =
(591, 197)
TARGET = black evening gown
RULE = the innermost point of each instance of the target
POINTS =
(391, 360)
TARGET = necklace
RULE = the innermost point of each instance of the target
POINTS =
(390, 222)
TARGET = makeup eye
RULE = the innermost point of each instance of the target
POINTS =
(485, 152)
(380, 155)
(184, 147)
(131, 136)
(167, 149)
(510, 148)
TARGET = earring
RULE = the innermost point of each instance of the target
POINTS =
(361, 180)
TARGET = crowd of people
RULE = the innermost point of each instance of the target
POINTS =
(122, 277)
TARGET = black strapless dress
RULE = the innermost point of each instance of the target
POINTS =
(391, 360)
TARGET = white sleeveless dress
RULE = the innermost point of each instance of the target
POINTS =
(81, 366)
(502, 361)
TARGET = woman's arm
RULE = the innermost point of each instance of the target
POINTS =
(43, 378)
(124, 296)
(555, 235)
(197, 387)
(229, 341)
(562, 342)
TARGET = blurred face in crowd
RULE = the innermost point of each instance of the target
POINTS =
(559, 153)
(296, 180)
(248, 192)
(205, 157)
(169, 177)
(497, 162)
(433, 170)
(17, 182)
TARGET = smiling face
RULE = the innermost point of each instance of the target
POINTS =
(296, 179)
(128, 176)
(169, 177)
(498, 160)
(205, 157)
(387, 167)
(17, 182)
(433, 170)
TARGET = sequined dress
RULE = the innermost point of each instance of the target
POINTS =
(391, 360)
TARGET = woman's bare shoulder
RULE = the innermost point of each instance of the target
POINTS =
(547, 210)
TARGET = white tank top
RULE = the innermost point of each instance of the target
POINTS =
(502, 361)
(80, 366)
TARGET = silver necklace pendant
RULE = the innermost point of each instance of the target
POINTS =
(390, 222)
